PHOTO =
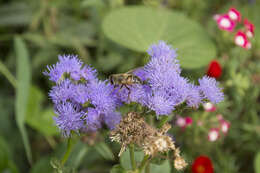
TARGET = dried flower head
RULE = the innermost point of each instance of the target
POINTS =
(131, 129)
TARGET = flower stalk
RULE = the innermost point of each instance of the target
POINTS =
(68, 151)
(132, 156)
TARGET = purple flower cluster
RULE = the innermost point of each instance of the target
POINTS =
(81, 101)
(165, 88)
(84, 103)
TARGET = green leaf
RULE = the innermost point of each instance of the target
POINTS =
(117, 169)
(257, 162)
(42, 166)
(77, 155)
(6, 164)
(165, 167)
(15, 14)
(104, 151)
(138, 27)
(41, 120)
(23, 73)
(125, 159)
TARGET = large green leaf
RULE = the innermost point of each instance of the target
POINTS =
(23, 73)
(41, 120)
(138, 27)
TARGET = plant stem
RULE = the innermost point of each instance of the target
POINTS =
(143, 163)
(147, 168)
(163, 121)
(132, 156)
(8, 74)
(68, 151)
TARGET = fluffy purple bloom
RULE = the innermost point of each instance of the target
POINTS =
(193, 97)
(102, 96)
(69, 118)
(93, 120)
(161, 103)
(210, 90)
(165, 53)
(81, 93)
(62, 92)
(68, 64)
(112, 119)
(88, 73)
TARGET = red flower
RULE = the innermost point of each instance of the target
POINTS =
(250, 28)
(225, 23)
(241, 40)
(234, 14)
(214, 69)
(202, 164)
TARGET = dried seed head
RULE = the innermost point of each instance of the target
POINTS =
(131, 129)
(160, 143)
(179, 163)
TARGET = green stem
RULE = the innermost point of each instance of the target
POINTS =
(147, 168)
(8, 74)
(132, 156)
(143, 163)
(163, 121)
(68, 151)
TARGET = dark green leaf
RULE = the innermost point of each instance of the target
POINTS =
(104, 151)
(117, 169)
(23, 73)
(139, 27)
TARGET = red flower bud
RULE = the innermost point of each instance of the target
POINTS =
(214, 69)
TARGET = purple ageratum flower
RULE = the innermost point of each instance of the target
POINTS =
(88, 73)
(112, 119)
(210, 90)
(93, 120)
(160, 103)
(162, 51)
(193, 98)
(62, 92)
(102, 96)
(69, 64)
(80, 93)
(69, 118)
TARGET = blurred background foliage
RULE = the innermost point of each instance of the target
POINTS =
(113, 36)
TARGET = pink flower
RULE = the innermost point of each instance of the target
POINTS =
(188, 121)
(220, 117)
(181, 122)
(250, 28)
(241, 40)
(224, 126)
(213, 134)
(234, 14)
(209, 107)
(225, 23)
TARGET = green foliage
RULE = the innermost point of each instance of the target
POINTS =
(41, 120)
(139, 27)
(22, 91)
(104, 150)
(113, 36)
(257, 163)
